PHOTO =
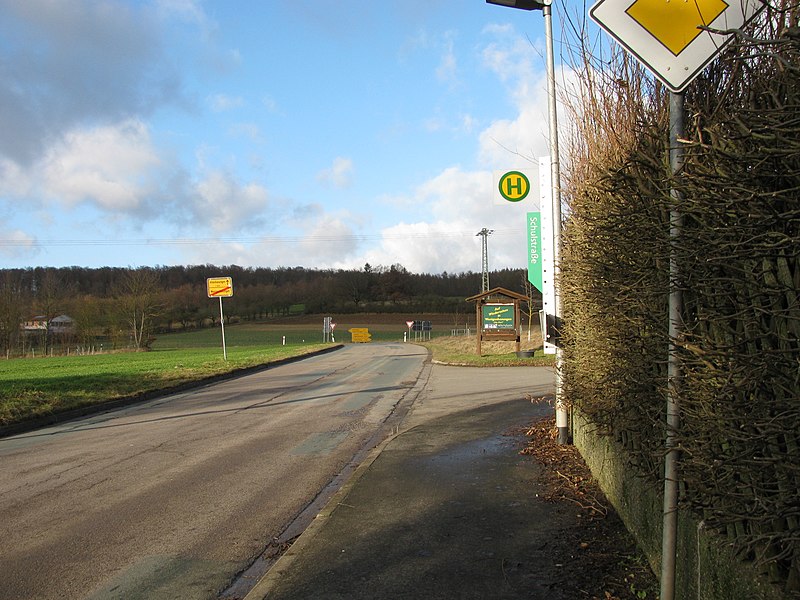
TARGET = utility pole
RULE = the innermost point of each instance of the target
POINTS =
(485, 233)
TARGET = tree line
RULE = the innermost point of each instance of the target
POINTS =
(126, 307)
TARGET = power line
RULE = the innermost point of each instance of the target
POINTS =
(191, 241)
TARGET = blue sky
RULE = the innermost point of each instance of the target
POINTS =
(273, 133)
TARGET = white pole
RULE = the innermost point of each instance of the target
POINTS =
(222, 322)
(562, 416)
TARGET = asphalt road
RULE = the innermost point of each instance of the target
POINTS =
(174, 497)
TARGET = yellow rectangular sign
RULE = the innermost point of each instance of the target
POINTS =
(220, 287)
(360, 335)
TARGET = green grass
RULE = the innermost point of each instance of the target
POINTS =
(463, 351)
(32, 388)
(239, 336)
(260, 334)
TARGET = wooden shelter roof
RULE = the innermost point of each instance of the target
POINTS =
(498, 291)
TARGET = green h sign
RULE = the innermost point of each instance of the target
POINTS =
(514, 186)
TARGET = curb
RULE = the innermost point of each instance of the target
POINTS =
(265, 585)
(270, 578)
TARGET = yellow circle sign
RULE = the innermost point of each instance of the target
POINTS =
(514, 186)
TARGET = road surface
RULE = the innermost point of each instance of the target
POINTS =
(172, 498)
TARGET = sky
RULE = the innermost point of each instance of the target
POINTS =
(273, 133)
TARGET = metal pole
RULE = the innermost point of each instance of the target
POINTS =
(485, 258)
(677, 125)
(222, 323)
(562, 416)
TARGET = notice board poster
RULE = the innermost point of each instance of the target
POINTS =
(498, 317)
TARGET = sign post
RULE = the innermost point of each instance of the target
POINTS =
(675, 41)
(548, 242)
(220, 287)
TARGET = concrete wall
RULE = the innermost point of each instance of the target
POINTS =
(706, 568)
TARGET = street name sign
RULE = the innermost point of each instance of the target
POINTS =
(675, 39)
(535, 250)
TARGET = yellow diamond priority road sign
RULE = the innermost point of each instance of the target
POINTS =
(672, 37)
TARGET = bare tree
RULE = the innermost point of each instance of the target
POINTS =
(139, 301)
(532, 303)
(51, 295)
(13, 303)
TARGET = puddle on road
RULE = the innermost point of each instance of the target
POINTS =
(468, 453)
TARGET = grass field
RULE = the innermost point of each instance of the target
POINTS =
(31, 388)
(463, 351)
(307, 329)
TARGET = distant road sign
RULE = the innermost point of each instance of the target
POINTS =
(672, 38)
(360, 335)
(409, 324)
(219, 287)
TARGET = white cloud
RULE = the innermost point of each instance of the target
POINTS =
(339, 175)
(223, 204)
(270, 104)
(14, 180)
(14, 243)
(468, 123)
(187, 10)
(512, 143)
(318, 240)
(249, 130)
(112, 167)
(433, 124)
(76, 63)
(328, 239)
(520, 66)
(118, 170)
(460, 204)
(223, 102)
(510, 56)
(447, 70)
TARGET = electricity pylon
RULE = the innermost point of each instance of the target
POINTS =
(485, 257)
